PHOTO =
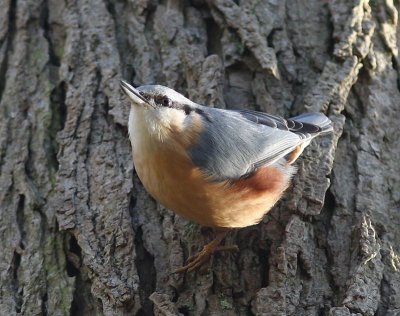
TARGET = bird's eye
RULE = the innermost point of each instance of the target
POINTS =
(167, 102)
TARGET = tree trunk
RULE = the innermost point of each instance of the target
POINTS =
(79, 234)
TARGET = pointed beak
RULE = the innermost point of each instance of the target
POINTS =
(133, 94)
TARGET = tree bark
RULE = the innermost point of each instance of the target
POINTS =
(79, 234)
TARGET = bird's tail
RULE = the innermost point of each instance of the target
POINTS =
(307, 126)
(310, 123)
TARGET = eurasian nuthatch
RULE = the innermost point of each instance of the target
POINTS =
(219, 168)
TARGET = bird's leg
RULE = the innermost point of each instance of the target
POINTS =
(232, 248)
(204, 255)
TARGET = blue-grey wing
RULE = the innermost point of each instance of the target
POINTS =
(231, 145)
(234, 143)
(263, 118)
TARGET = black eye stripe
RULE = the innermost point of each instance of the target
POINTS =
(144, 95)
(163, 100)
(187, 109)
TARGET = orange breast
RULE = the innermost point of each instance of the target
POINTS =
(171, 178)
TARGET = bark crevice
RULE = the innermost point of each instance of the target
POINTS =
(146, 272)
(10, 35)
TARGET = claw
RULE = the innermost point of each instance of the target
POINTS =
(196, 261)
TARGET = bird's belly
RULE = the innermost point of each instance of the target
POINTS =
(181, 187)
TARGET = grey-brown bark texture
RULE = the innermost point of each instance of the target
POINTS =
(80, 236)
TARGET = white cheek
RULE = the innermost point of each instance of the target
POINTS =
(160, 122)
(168, 117)
(151, 127)
(135, 125)
(138, 128)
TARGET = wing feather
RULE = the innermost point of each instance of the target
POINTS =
(234, 143)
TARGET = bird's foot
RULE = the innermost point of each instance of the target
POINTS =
(194, 262)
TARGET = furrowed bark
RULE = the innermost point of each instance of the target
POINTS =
(79, 234)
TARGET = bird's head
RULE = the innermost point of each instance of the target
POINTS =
(164, 112)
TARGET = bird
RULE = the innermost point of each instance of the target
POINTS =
(220, 168)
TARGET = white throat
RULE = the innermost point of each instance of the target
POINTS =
(149, 128)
